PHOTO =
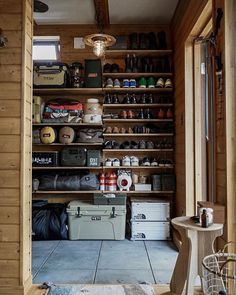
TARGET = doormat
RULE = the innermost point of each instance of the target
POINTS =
(101, 290)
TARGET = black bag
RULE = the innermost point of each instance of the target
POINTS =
(93, 73)
(73, 157)
(89, 182)
(50, 75)
(49, 221)
(90, 135)
(59, 182)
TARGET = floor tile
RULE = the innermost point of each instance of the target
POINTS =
(114, 276)
(41, 246)
(122, 245)
(163, 276)
(73, 260)
(79, 246)
(62, 276)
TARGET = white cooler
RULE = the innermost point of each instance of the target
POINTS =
(152, 230)
(96, 222)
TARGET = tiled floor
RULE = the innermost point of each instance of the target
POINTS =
(103, 262)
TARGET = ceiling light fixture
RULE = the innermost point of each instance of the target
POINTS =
(99, 42)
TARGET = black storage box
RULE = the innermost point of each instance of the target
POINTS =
(93, 73)
(93, 158)
(73, 157)
(109, 199)
(45, 159)
(168, 182)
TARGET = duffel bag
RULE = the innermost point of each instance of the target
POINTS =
(50, 75)
(90, 135)
(59, 182)
(89, 182)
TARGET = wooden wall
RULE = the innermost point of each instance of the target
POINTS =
(15, 105)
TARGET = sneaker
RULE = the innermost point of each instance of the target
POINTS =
(116, 83)
(125, 83)
(150, 82)
(126, 161)
(146, 162)
(162, 163)
(115, 68)
(168, 83)
(109, 83)
(132, 83)
(108, 145)
(116, 162)
(143, 82)
(150, 98)
(168, 163)
(160, 83)
(141, 114)
(107, 99)
(143, 99)
(142, 144)
(150, 145)
(108, 162)
(115, 99)
(126, 99)
(107, 68)
(133, 99)
(115, 144)
(134, 161)
(154, 162)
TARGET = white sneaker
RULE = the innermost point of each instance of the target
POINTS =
(126, 161)
(116, 162)
(108, 162)
(134, 161)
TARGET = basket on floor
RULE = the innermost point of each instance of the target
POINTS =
(219, 274)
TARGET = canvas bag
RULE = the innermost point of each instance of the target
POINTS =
(90, 135)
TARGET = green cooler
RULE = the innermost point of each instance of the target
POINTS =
(96, 222)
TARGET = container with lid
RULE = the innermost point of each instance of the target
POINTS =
(93, 107)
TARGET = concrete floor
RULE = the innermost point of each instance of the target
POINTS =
(103, 262)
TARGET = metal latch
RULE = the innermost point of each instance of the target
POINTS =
(113, 214)
(78, 212)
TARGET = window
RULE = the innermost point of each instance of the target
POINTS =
(46, 48)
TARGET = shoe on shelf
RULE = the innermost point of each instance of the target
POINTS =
(150, 98)
(108, 130)
(168, 83)
(143, 99)
(161, 114)
(132, 83)
(162, 163)
(168, 163)
(133, 99)
(135, 61)
(150, 145)
(122, 130)
(115, 99)
(143, 41)
(141, 114)
(107, 99)
(151, 82)
(142, 82)
(134, 145)
(108, 162)
(152, 42)
(146, 162)
(160, 83)
(142, 144)
(126, 99)
(115, 68)
(147, 114)
(116, 83)
(134, 161)
(115, 144)
(130, 130)
(109, 83)
(123, 114)
(162, 40)
(169, 114)
(154, 162)
(107, 68)
(133, 41)
(115, 162)
(128, 64)
(126, 161)
(130, 114)
(108, 144)
(115, 130)
(125, 83)
(125, 145)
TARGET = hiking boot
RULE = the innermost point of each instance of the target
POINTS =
(133, 41)
(143, 41)
(162, 40)
(128, 66)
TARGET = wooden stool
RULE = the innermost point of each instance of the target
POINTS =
(197, 242)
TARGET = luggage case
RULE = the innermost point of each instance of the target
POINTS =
(96, 222)
(73, 157)
(50, 75)
(93, 73)
(45, 159)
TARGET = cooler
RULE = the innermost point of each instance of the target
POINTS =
(96, 222)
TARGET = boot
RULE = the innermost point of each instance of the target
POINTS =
(143, 41)
(134, 64)
(162, 40)
(133, 41)
(128, 68)
(152, 43)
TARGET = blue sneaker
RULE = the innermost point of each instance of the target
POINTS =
(132, 83)
(125, 83)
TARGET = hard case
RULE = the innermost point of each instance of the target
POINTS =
(45, 159)
(73, 157)
(109, 199)
(96, 222)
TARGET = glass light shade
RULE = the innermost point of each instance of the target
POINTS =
(99, 48)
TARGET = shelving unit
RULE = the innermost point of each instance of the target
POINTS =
(136, 75)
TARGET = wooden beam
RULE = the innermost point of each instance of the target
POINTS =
(102, 13)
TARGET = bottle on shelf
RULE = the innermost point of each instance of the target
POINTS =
(204, 219)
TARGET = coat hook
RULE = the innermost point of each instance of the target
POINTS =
(3, 39)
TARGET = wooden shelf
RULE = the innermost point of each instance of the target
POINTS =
(67, 168)
(137, 105)
(65, 91)
(138, 90)
(137, 134)
(136, 120)
(70, 144)
(138, 167)
(136, 75)
(111, 192)
(137, 150)
(113, 53)
(69, 124)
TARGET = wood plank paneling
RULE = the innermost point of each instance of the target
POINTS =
(9, 197)
(10, 161)
(10, 251)
(10, 143)
(10, 109)
(9, 269)
(10, 73)
(10, 90)
(9, 215)
(9, 232)
(10, 126)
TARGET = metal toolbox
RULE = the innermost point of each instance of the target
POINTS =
(109, 199)
(152, 230)
(93, 158)
(149, 210)
(96, 222)
(73, 157)
(45, 159)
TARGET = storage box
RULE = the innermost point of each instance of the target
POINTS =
(218, 211)
(142, 187)
(93, 158)
(73, 156)
(96, 222)
(93, 73)
(153, 230)
(168, 182)
(150, 210)
(45, 159)
(109, 199)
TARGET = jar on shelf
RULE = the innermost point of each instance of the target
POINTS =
(93, 107)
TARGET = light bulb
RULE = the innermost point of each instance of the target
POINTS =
(99, 48)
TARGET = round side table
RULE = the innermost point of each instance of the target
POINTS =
(197, 242)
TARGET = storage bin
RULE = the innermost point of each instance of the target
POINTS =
(93, 158)
(45, 159)
(109, 199)
(168, 182)
(93, 73)
(96, 222)
(153, 230)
